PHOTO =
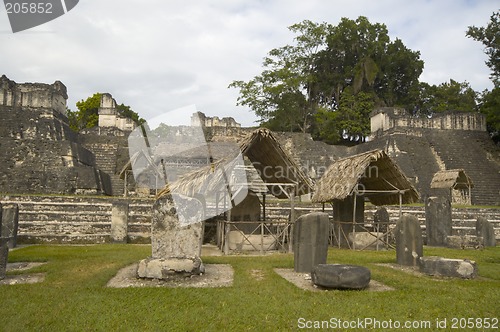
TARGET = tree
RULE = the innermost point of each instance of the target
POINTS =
(280, 95)
(302, 85)
(448, 96)
(489, 36)
(490, 105)
(87, 115)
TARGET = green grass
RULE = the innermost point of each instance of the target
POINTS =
(73, 296)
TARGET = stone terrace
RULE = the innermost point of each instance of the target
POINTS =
(73, 219)
(65, 219)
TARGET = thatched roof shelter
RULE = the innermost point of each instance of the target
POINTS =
(271, 162)
(136, 157)
(451, 179)
(372, 174)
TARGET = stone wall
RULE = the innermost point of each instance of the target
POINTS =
(200, 119)
(420, 153)
(74, 219)
(33, 95)
(38, 150)
(463, 219)
(109, 116)
(385, 118)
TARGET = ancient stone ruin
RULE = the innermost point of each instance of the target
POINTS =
(485, 232)
(446, 267)
(341, 276)
(409, 242)
(310, 241)
(437, 221)
(40, 154)
(176, 238)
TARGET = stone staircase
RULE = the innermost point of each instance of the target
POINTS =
(474, 152)
(412, 154)
(76, 219)
(105, 157)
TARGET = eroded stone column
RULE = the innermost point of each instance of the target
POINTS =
(10, 223)
(119, 222)
(485, 230)
(176, 238)
(310, 246)
(4, 254)
(437, 220)
(409, 244)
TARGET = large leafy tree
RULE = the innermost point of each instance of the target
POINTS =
(489, 36)
(302, 85)
(281, 95)
(87, 115)
(448, 96)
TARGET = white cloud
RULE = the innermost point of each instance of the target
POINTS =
(158, 56)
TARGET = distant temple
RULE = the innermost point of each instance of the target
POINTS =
(386, 118)
(110, 117)
(199, 119)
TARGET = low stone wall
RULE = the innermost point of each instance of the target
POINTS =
(463, 219)
(76, 219)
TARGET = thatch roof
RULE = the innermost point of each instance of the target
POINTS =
(374, 174)
(135, 158)
(451, 179)
(270, 161)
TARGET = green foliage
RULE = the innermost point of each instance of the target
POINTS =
(302, 85)
(489, 37)
(328, 81)
(87, 115)
(452, 96)
(333, 125)
(127, 112)
(74, 296)
(491, 108)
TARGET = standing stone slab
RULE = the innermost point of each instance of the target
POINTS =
(176, 238)
(341, 276)
(485, 230)
(10, 223)
(409, 243)
(310, 246)
(4, 255)
(437, 220)
(381, 219)
(445, 267)
(119, 222)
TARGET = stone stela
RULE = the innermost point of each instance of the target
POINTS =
(438, 220)
(310, 241)
(176, 238)
(409, 244)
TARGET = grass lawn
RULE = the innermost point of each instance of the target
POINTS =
(73, 296)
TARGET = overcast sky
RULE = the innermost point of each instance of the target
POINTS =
(158, 56)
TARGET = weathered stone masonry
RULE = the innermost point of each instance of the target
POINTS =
(39, 152)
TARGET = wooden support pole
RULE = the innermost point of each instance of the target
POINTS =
(264, 206)
(292, 218)
(227, 228)
(355, 196)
